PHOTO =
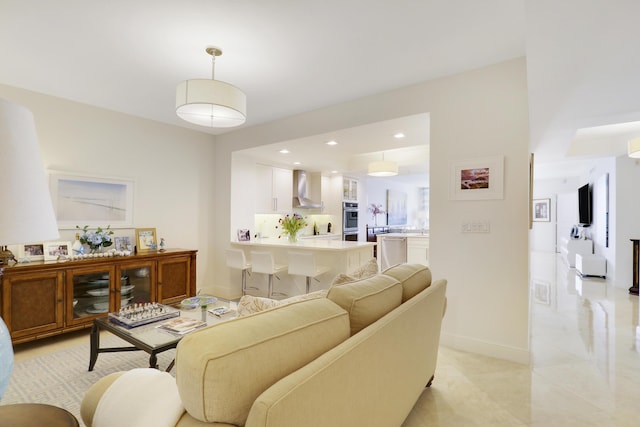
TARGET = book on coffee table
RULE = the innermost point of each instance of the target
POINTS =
(182, 325)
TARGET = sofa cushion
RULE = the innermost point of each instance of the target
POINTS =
(222, 369)
(414, 278)
(367, 300)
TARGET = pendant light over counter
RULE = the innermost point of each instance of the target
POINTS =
(383, 168)
(211, 103)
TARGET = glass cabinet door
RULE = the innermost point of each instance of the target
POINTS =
(135, 280)
(91, 291)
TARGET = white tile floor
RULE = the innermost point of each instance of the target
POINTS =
(585, 368)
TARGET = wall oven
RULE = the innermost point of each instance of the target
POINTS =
(350, 221)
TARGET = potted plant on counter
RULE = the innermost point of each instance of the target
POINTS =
(291, 225)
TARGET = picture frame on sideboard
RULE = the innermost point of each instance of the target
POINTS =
(146, 239)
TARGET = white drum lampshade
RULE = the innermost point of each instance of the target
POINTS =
(211, 103)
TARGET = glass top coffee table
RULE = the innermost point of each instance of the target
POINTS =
(149, 337)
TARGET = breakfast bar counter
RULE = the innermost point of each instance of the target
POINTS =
(340, 256)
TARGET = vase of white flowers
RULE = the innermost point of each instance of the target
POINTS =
(291, 225)
(96, 240)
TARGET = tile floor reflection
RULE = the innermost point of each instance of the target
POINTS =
(585, 368)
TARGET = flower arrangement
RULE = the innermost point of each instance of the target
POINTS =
(376, 209)
(291, 224)
(96, 239)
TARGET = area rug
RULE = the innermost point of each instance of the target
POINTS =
(61, 378)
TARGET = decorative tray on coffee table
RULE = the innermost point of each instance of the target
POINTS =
(142, 314)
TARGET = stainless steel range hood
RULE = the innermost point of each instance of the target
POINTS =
(301, 191)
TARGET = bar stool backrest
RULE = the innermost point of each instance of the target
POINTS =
(262, 262)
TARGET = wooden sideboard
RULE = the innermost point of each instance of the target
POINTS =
(40, 299)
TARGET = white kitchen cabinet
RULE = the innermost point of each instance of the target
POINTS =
(349, 189)
(273, 190)
(331, 196)
(418, 250)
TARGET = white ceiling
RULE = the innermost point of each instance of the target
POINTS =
(288, 56)
(292, 56)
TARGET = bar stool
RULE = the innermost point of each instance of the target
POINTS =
(304, 264)
(262, 262)
(236, 259)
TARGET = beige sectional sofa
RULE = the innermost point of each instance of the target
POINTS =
(361, 356)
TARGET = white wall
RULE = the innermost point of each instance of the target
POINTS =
(171, 166)
(474, 114)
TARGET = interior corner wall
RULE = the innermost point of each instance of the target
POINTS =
(627, 212)
(170, 166)
(474, 114)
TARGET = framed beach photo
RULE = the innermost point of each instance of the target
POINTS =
(56, 251)
(146, 239)
(477, 179)
(542, 210)
(90, 200)
(31, 251)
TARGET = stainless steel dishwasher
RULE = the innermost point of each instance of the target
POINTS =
(393, 250)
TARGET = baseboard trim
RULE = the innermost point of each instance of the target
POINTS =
(485, 348)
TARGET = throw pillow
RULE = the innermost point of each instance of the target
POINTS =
(249, 304)
(370, 268)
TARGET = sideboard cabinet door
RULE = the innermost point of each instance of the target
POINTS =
(33, 303)
(176, 278)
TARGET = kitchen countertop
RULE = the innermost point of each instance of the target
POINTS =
(312, 244)
(403, 235)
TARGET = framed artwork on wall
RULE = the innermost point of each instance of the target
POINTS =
(396, 207)
(477, 179)
(89, 200)
(542, 210)
(146, 239)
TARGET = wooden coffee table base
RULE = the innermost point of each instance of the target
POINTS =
(35, 415)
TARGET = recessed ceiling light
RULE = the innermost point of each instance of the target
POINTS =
(332, 142)
(399, 135)
(334, 171)
(284, 151)
(296, 163)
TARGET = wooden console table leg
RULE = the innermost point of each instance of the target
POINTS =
(633, 290)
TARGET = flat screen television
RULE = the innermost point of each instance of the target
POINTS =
(585, 209)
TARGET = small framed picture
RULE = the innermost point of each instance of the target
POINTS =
(542, 210)
(122, 243)
(32, 252)
(244, 235)
(56, 251)
(146, 239)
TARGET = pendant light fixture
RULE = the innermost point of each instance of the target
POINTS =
(383, 168)
(211, 103)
